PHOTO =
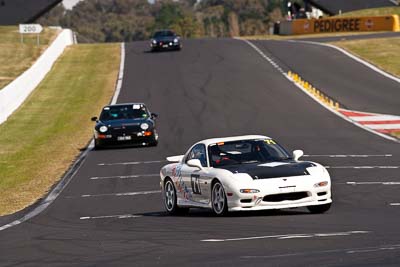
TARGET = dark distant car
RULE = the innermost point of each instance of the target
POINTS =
(165, 40)
(124, 124)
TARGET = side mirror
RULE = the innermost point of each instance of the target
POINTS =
(154, 115)
(297, 154)
(93, 119)
(194, 163)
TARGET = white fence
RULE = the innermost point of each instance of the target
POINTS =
(14, 94)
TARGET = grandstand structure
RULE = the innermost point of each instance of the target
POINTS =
(334, 7)
(13, 12)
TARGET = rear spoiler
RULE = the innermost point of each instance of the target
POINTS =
(175, 158)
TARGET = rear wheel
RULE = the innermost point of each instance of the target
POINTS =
(170, 199)
(218, 200)
(319, 208)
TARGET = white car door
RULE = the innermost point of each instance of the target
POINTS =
(194, 178)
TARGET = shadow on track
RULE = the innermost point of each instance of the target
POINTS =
(194, 212)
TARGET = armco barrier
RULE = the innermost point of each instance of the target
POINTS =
(338, 24)
(14, 94)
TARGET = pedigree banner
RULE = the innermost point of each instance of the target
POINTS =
(355, 24)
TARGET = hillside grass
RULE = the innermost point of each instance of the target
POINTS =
(16, 57)
(383, 11)
(42, 138)
(382, 52)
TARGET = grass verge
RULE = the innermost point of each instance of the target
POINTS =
(16, 57)
(383, 53)
(41, 139)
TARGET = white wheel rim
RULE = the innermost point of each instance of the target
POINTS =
(169, 196)
(218, 198)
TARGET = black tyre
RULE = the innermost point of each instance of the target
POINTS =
(154, 141)
(97, 146)
(170, 199)
(319, 208)
(219, 203)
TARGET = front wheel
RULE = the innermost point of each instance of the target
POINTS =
(97, 146)
(319, 208)
(218, 200)
(170, 199)
(154, 141)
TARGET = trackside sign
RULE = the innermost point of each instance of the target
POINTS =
(30, 28)
(351, 24)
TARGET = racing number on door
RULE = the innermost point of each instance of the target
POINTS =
(194, 179)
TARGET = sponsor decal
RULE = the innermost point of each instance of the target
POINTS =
(179, 184)
(337, 25)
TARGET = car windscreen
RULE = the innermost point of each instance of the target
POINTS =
(246, 151)
(163, 34)
(124, 112)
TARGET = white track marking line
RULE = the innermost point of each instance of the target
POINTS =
(394, 204)
(347, 251)
(288, 236)
(131, 163)
(124, 194)
(319, 101)
(362, 167)
(124, 176)
(373, 183)
(72, 172)
(122, 216)
(349, 156)
(395, 247)
(120, 75)
(369, 65)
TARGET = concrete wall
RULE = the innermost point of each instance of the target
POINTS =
(14, 94)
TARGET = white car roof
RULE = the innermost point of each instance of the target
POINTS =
(210, 141)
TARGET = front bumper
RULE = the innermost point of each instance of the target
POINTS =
(138, 138)
(280, 200)
(165, 46)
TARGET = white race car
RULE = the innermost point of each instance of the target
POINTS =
(250, 172)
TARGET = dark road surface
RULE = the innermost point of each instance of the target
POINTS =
(351, 83)
(216, 88)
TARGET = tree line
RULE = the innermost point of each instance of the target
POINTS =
(131, 20)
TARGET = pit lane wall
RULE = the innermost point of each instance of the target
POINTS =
(337, 24)
(14, 94)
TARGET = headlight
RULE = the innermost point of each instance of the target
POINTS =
(176, 40)
(249, 191)
(103, 129)
(144, 126)
(321, 184)
(154, 41)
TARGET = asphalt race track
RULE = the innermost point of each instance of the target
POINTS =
(111, 213)
(351, 83)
